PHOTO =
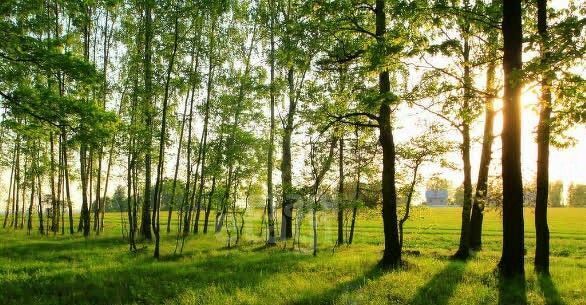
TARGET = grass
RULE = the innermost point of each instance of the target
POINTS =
(100, 270)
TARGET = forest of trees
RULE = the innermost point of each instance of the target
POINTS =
(192, 107)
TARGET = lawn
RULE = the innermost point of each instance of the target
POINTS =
(100, 270)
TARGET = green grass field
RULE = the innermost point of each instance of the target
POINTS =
(100, 270)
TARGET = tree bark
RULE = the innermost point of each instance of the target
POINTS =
(543, 134)
(482, 183)
(512, 259)
(392, 252)
(286, 163)
(341, 193)
(148, 121)
(205, 128)
(270, 158)
(357, 189)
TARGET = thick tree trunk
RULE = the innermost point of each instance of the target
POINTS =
(543, 134)
(512, 259)
(392, 252)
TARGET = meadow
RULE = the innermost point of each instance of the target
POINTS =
(58, 269)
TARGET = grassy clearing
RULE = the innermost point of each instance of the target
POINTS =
(100, 270)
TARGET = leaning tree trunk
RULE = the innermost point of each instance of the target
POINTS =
(485, 157)
(392, 252)
(511, 263)
(543, 132)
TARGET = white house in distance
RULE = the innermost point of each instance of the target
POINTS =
(436, 198)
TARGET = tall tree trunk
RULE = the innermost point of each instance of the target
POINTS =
(148, 109)
(464, 246)
(511, 263)
(161, 163)
(270, 158)
(341, 193)
(485, 157)
(392, 252)
(286, 162)
(177, 160)
(543, 134)
(205, 127)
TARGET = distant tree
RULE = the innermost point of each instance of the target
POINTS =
(577, 195)
(556, 189)
(436, 183)
(118, 200)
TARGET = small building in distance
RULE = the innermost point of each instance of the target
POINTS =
(436, 198)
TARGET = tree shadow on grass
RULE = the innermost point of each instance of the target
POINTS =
(549, 289)
(148, 282)
(46, 249)
(440, 288)
(328, 296)
(512, 291)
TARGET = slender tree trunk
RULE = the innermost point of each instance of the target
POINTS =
(357, 189)
(392, 252)
(10, 185)
(464, 245)
(209, 207)
(270, 159)
(286, 163)
(408, 204)
(482, 183)
(177, 160)
(341, 193)
(161, 164)
(39, 199)
(512, 259)
(148, 109)
(205, 127)
(84, 223)
(543, 134)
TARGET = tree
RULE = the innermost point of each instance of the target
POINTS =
(542, 180)
(512, 259)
